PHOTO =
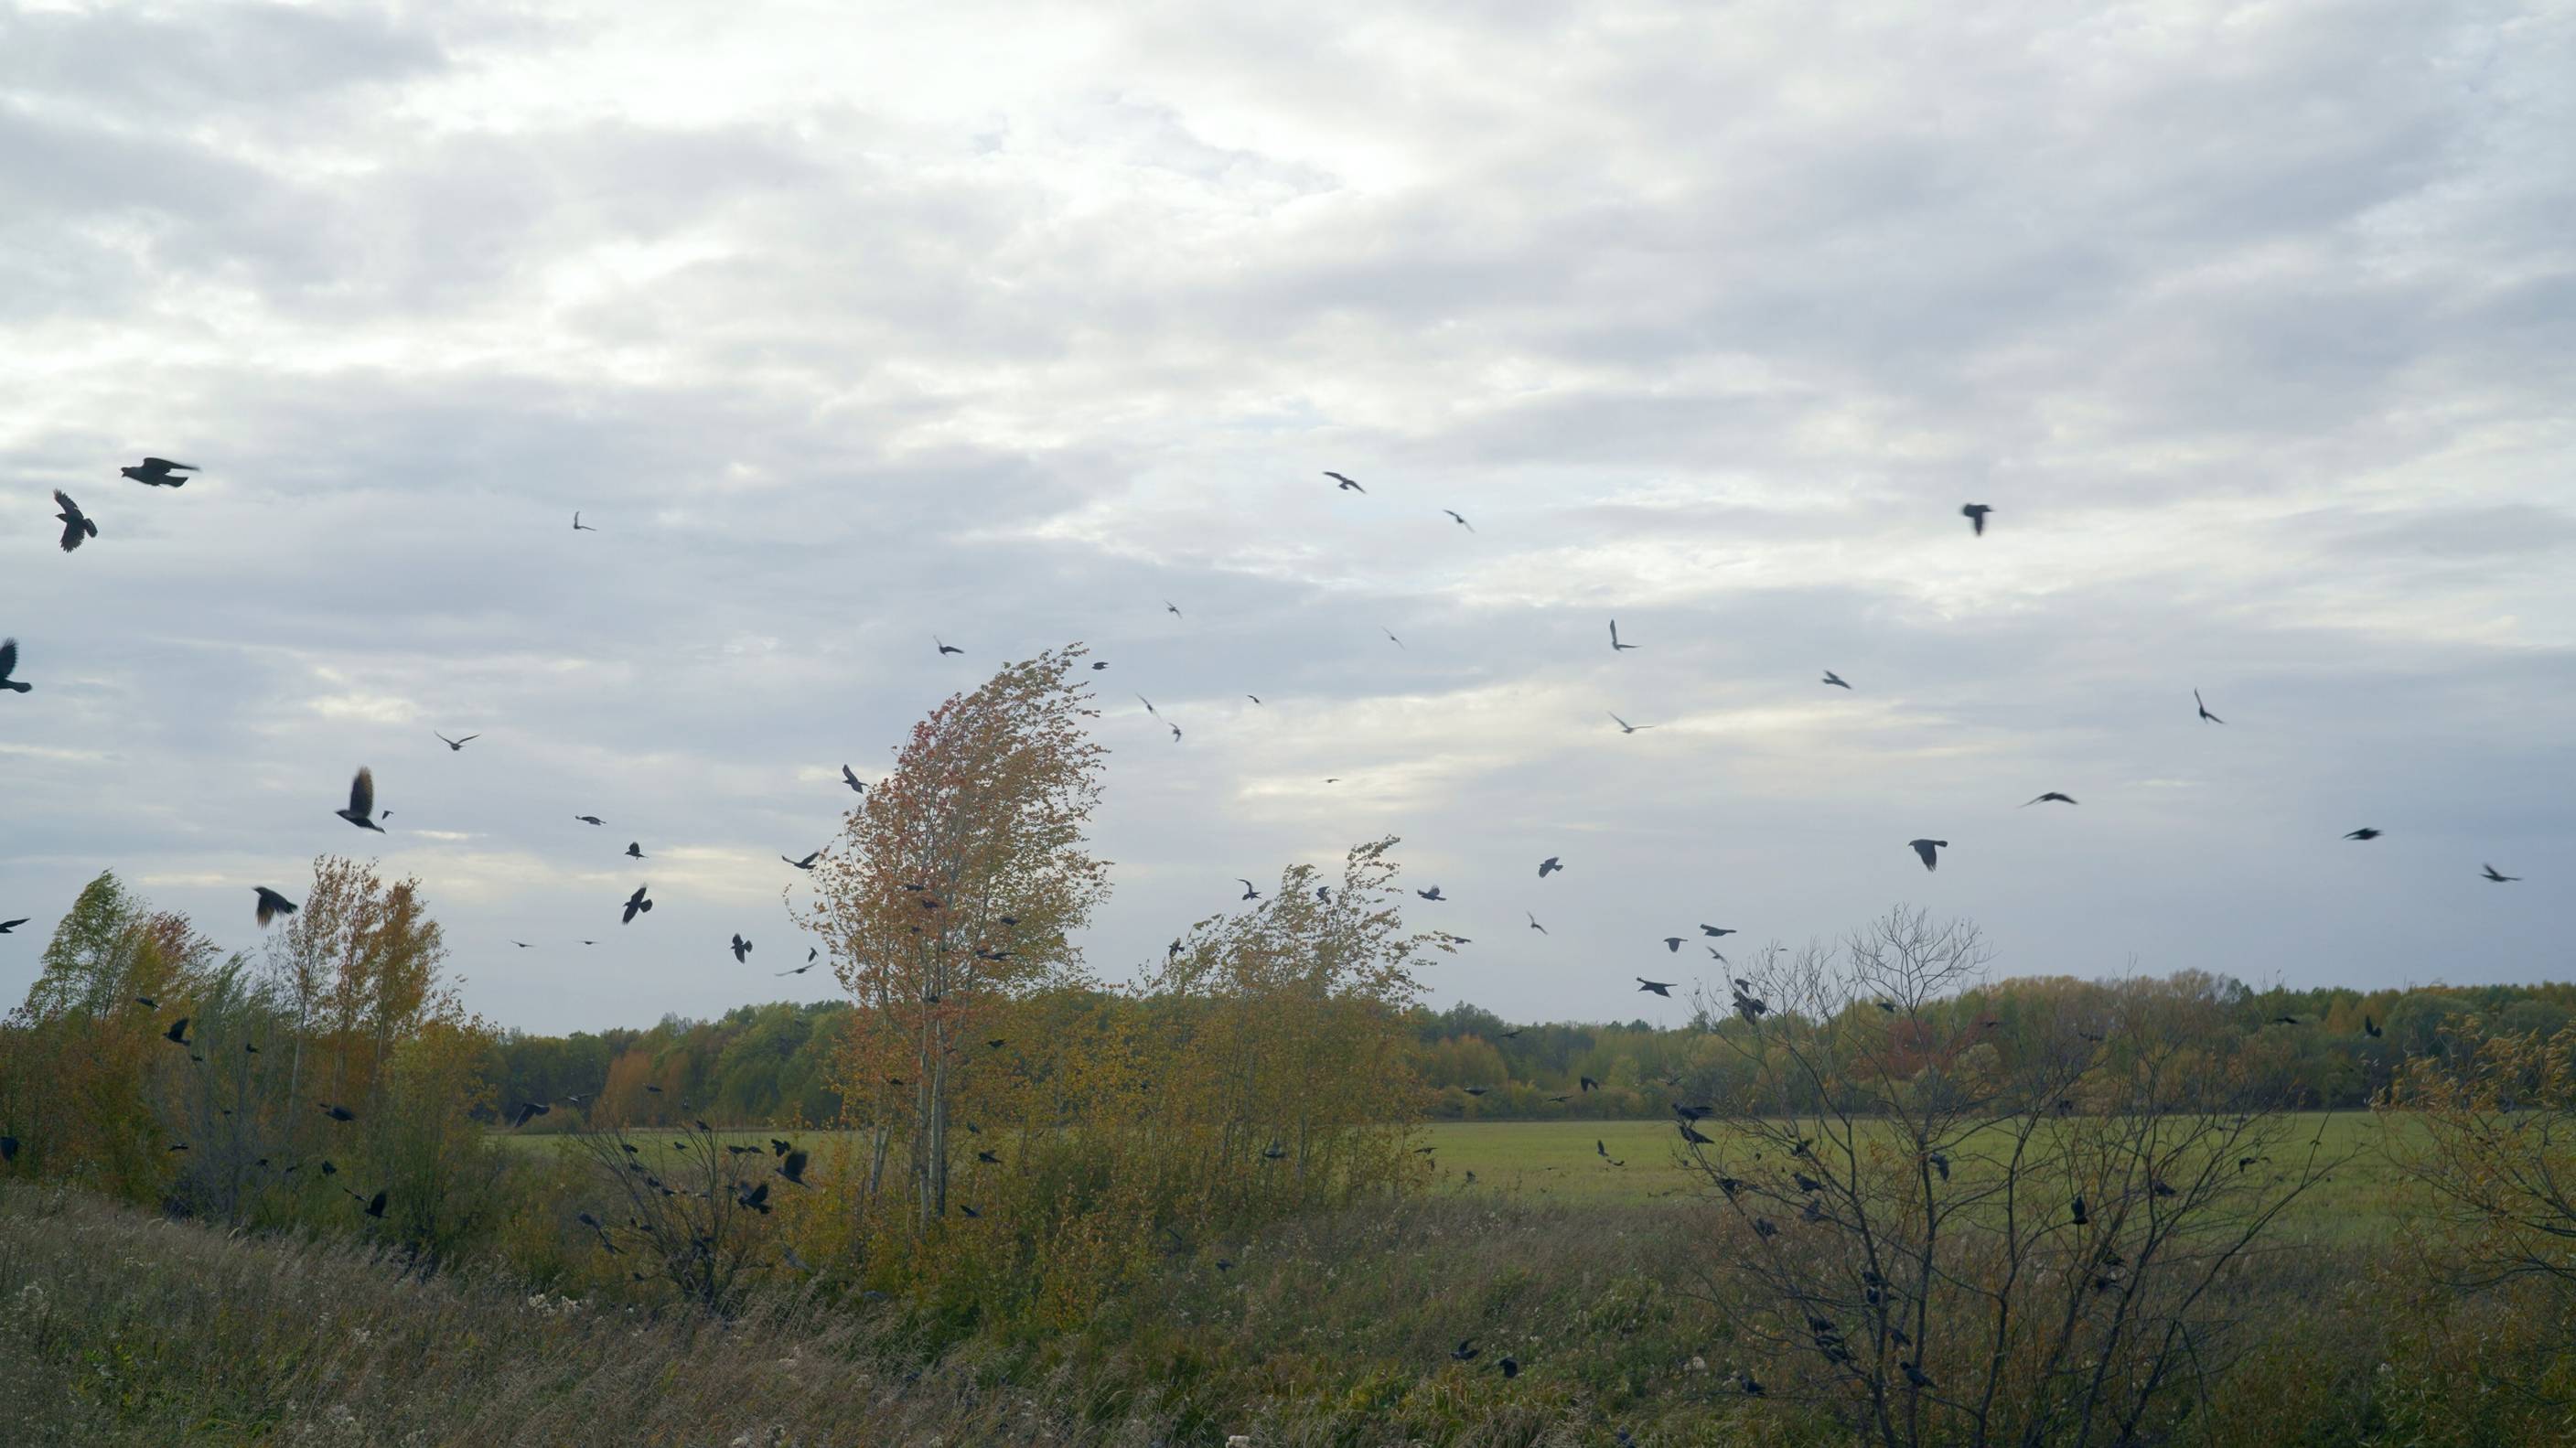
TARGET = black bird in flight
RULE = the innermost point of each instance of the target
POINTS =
(1431, 894)
(799, 970)
(1587, 1083)
(1625, 727)
(529, 1111)
(1534, 925)
(272, 904)
(946, 648)
(1172, 608)
(1925, 849)
(2364, 833)
(590, 819)
(1176, 730)
(2489, 870)
(806, 863)
(8, 1149)
(1346, 485)
(1149, 706)
(1098, 664)
(1615, 645)
(852, 781)
(177, 1035)
(741, 948)
(2371, 1028)
(636, 904)
(1662, 988)
(159, 473)
(1256, 698)
(1548, 866)
(7, 926)
(335, 1112)
(362, 801)
(578, 525)
(1465, 1349)
(634, 849)
(1975, 513)
(1672, 944)
(1752, 1386)
(1461, 522)
(147, 1002)
(1390, 635)
(1835, 679)
(375, 1205)
(2045, 798)
(9, 665)
(76, 524)
(1716, 932)
(1916, 1376)
(456, 745)
(1248, 892)
(2204, 709)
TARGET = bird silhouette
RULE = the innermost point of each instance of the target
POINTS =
(456, 745)
(272, 904)
(1718, 932)
(1431, 894)
(9, 665)
(741, 948)
(177, 1035)
(1915, 1375)
(2204, 709)
(362, 801)
(1461, 522)
(946, 648)
(806, 863)
(852, 780)
(1925, 849)
(1615, 645)
(2076, 1207)
(1662, 988)
(590, 819)
(2364, 833)
(1672, 945)
(1548, 866)
(1171, 608)
(1390, 636)
(159, 473)
(375, 1205)
(529, 1111)
(1975, 513)
(1344, 484)
(1256, 698)
(336, 1112)
(636, 904)
(1534, 925)
(2488, 870)
(1249, 893)
(2371, 1028)
(1835, 679)
(1627, 728)
(2045, 798)
(634, 849)
(7, 926)
(578, 525)
(1465, 1350)
(76, 524)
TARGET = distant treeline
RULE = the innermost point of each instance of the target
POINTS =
(772, 1064)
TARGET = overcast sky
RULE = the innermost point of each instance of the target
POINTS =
(851, 324)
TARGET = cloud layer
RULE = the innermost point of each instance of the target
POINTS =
(2251, 322)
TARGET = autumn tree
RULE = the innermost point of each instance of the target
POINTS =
(949, 896)
(1976, 1230)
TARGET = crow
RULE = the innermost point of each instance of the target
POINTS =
(1717, 932)
(529, 1111)
(1344, 484)
(1171, 608)
(1975, 513)
(1549, 866)
(1914, 1375)
(76, 524)
(272, 904)
(946, 648)
(1431, 894)
(2489, 870)
(636, 904)
(455, 746)
(2204, 709)
(1587, 1083)
(1662, 988)
(1534, 925)
(9, 665)
(1461, 522)
(1627, 728)
(177, 1035)
(1925, 849)
(757, 1199)
(635, 849)
(806, 863)
(741, 948)
(1465, 1350)
(590, 819)
(362, 801)
(1672, 945)
(792, 1166)
(8, 1150)
(159, 473)
(2371, 1028)
(1835, 679)
(2077, 1207)
(852, 780)
(375, 1205)
(2364, 833)
(1615, 645)
(1249, 893)
(335, 1112)
(2045, 798)
(578, 525)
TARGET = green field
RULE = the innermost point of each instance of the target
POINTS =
(1555, 1161)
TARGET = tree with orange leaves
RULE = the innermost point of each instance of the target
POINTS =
(949, 895)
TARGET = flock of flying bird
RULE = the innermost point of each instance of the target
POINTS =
(361, 812)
